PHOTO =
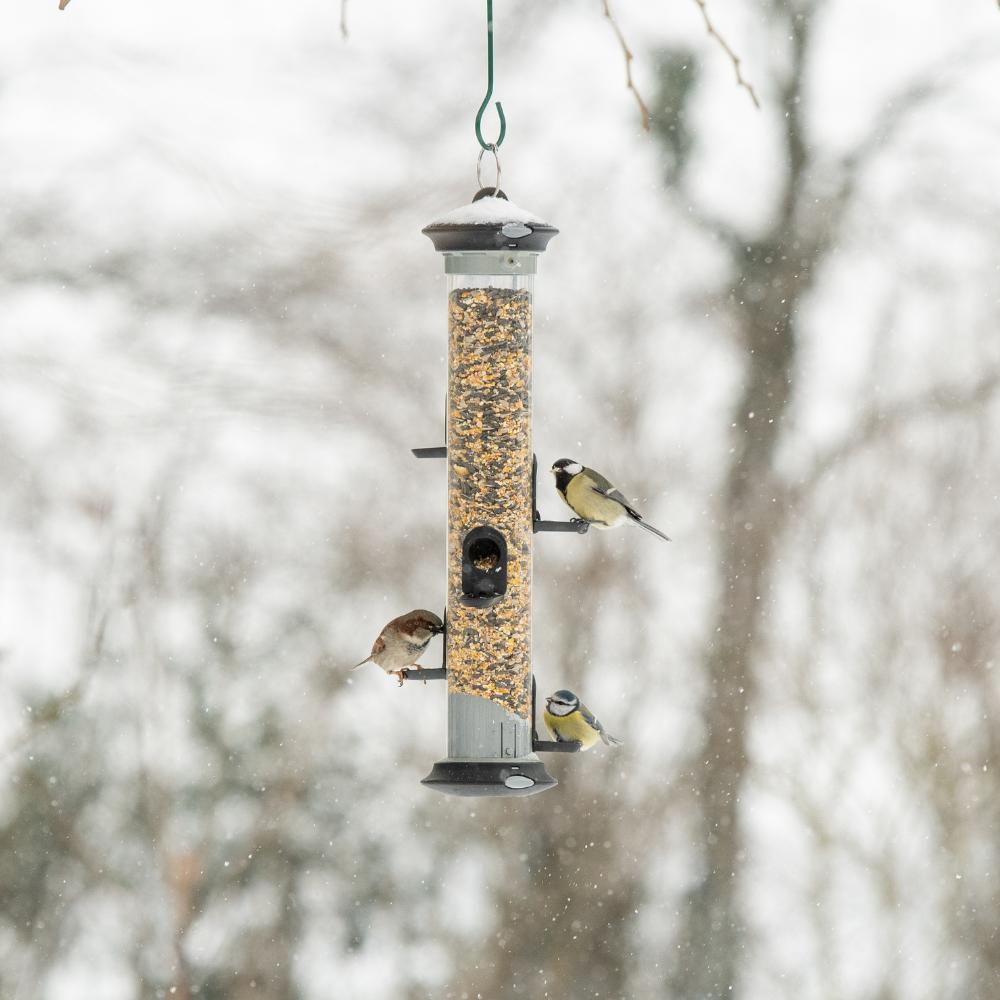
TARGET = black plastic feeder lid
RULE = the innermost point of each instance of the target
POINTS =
(490, 222)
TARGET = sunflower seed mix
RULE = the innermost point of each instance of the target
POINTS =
(489, 483)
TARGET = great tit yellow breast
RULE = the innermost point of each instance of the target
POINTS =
(590, 505)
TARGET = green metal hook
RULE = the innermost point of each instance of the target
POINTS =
(489, 87)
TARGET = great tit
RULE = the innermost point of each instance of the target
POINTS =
(568, 720)
(594, 499)
(401, 642)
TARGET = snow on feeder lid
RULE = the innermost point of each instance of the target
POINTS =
(491, 223)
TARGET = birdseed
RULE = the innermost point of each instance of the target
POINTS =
(489, 483)
(487, 562)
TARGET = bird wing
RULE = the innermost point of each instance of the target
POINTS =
(602, 484)
(376, 649)
(608, 489)
(594, 723)
(613, 494)
(590, 718)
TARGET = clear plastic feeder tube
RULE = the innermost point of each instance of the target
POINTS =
(489, 485)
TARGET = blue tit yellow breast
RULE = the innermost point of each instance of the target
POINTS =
(572, 727)
(590, 505)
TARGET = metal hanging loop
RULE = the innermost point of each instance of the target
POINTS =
(489, 88)
(479, 168)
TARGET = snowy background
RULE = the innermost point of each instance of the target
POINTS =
(221, 330)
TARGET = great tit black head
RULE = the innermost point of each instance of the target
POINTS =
(562, 703)
(569, 465)
(564, 470)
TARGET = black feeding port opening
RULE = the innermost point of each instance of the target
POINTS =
(484, 567)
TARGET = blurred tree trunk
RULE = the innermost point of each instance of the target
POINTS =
(774, 274)
(567, 905)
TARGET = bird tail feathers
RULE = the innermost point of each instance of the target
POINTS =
(642, 524)
(367, 659)
(611, 741)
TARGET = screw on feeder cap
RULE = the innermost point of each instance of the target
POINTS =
(490, 222)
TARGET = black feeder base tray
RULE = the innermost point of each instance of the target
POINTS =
(487, 777)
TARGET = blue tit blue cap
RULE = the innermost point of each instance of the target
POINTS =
(565, 696)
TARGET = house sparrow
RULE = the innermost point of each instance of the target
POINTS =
(591, 497)
(568, 720)
(401, 642)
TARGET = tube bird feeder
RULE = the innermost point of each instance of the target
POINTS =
(491, 250)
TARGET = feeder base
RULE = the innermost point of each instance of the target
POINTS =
(476, 778)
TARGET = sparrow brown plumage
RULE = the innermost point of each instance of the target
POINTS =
(400, 644)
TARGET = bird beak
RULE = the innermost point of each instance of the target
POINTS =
(437, 629)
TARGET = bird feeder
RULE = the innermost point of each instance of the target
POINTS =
(491, 249)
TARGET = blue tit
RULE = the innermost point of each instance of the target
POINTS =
(568, 720)
(401, 642)
(594, 499)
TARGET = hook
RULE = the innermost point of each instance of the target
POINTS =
(489, 87)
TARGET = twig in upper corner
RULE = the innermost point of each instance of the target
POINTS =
(627, 53)
(741, 80)
(343, 19)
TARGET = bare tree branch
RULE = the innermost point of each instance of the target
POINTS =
(741, 80)
(52, 711)
(343, 19)
(894, 115)
(627, 53)
(886, 125)
(940, 401)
